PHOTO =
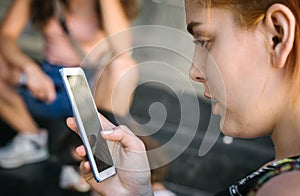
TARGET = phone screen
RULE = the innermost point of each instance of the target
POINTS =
(91, 123)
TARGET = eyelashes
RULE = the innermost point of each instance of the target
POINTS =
(202, 43)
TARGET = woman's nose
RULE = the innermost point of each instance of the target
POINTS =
(195, 73)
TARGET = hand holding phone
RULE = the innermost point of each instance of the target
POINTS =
(133, 172)
(88, 123)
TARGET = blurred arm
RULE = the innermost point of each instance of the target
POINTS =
(114, 21)
(11, 28)
(13, 24)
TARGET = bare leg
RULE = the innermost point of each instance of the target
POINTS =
(115, 88)
(14, 111)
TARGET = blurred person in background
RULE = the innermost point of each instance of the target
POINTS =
(247, 57)
(34, 89)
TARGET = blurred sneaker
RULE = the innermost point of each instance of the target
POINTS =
(24, 149)
(164, 192)
(159, 189)
(71, 179)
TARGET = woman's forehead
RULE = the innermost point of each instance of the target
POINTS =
(212, 24)
(193, 12)
(200, 15)
(200, 3)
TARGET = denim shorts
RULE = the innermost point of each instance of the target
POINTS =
(60, 107)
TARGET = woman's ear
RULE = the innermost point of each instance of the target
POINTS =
(279, 25)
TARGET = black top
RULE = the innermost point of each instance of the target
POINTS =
(253, 182)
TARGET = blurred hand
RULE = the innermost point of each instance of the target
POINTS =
(40, 85)
(129, 154)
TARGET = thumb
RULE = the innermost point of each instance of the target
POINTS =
(126, 138)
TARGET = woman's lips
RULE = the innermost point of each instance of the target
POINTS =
(214, 101)
(207, 96)
(213, 105)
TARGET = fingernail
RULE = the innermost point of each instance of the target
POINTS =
(79, 148)
(86, 164)
(107, 132)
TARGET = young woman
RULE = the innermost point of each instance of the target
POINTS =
(88, 22)
(247, 57)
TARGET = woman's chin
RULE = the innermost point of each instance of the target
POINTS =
(228, 129)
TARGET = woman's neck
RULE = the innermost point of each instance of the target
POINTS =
(286, 134)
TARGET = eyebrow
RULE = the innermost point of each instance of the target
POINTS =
(191, 25)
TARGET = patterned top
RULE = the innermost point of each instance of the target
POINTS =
(253, 182)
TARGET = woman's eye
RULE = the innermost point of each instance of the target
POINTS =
(202, 43)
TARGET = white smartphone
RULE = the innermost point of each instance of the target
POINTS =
(88, 122)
